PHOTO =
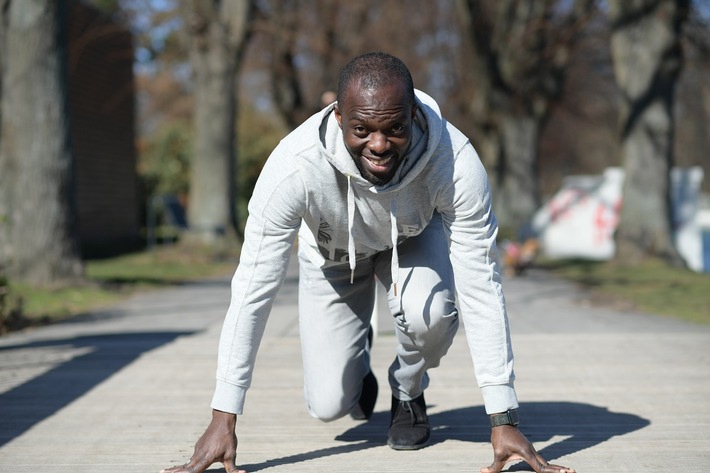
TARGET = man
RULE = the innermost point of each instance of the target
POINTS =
(377, 184)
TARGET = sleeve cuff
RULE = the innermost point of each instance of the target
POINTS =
(499, 398)
(228, 398)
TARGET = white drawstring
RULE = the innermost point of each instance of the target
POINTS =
(351, 240)
(394, 234)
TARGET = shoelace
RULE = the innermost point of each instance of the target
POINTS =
(407, 406)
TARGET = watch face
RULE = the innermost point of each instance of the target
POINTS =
(513, 417)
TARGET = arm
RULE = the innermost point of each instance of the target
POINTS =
(467, 214)
(275, 213)
(465, 205)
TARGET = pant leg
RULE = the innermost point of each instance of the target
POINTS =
(334, 317)
(424, 310)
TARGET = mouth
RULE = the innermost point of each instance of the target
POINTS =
(378, 165)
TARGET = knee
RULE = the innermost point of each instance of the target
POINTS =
(327, 410)
(329, 404)
(434, 314)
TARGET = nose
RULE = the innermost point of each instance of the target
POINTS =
(378, 142)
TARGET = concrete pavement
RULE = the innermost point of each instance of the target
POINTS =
(128, 390)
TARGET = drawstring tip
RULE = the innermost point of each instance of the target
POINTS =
(352, 276)
(395, 289)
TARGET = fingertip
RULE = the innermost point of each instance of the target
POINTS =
(232, 468)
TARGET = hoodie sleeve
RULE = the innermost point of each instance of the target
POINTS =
(275, 212)
(465, 205)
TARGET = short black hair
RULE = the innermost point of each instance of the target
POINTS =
(375, 70)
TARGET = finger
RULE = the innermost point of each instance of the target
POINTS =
(199, 465)
(230, 467)
(192, 466)
(541, 466)
(176, 469)
(499, 464)
(550, 468)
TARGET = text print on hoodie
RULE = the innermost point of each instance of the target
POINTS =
(311, 187)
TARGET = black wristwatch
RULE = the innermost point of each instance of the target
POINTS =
(509, 417)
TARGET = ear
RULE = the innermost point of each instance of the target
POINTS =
(415, 109)
(338, 116)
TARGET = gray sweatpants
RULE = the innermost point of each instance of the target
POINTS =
(335, 316)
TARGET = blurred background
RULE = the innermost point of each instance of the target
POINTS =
(139, 127)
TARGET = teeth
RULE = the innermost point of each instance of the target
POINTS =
(380, 162)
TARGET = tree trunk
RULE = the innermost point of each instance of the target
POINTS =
(37, 217)
(285, 84)
(312, 33)
(218, 32)
(518, 190)
(520, 54)
(647, 59)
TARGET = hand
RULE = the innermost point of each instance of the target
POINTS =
(217, 444)
(509, 444)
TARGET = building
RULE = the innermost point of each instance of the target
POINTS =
(102, 121)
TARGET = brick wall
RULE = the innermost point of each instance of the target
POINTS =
(102, 114)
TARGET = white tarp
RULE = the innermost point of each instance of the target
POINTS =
(580, 219)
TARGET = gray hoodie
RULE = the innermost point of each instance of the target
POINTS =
(311, 188)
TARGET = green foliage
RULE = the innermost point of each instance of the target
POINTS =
(257, 136)
(165, 155)
(164, 159)
(166, 265)
(108, 282)
(11, 308)
(652, 286)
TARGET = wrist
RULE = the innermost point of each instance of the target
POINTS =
(226, 418)
(509, 417)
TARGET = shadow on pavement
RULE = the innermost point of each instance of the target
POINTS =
(582, 426)
(103, 355)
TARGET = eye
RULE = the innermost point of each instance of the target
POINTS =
(360, 130)
(398, 128)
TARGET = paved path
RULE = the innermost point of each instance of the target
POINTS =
(127, 390)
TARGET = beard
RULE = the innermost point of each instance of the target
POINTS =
(372, 178)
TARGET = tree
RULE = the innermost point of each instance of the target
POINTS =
(521, 51)
(306, 45)
(38, 238)
(692, 97)
(647, 57)
(218, 32)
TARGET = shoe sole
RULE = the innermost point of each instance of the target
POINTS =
(407, 447)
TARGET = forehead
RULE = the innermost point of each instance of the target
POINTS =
(390, 98)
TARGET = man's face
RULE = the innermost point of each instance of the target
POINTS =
(377, 128)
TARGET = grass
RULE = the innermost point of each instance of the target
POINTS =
(110, 280)
(650, 287)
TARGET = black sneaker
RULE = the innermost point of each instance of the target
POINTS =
(368, 395)
(409, 428)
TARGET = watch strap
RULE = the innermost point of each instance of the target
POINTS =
(509, 417)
